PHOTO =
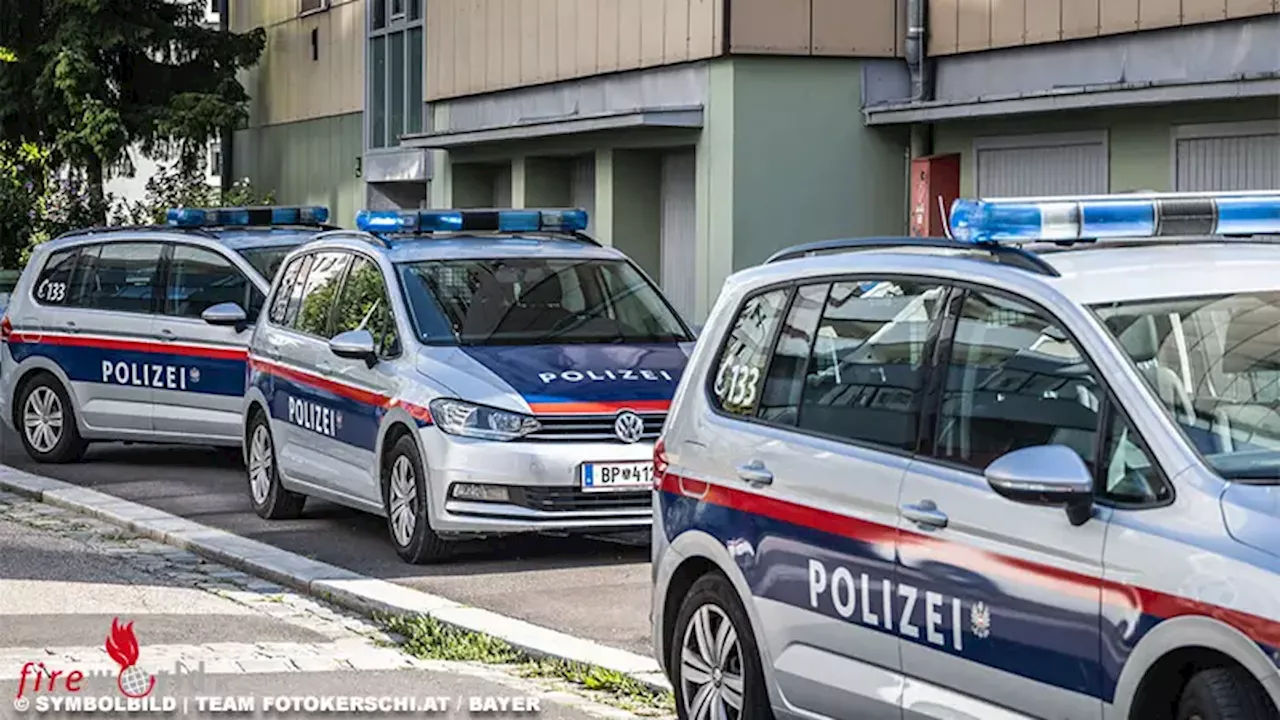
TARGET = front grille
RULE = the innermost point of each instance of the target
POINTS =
(590, 428)
(565, 499)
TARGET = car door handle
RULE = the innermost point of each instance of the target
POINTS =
(72, 327)
(925, 514)
(166, 334)
(755, 473)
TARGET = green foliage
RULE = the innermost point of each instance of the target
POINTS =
(22, 166)
(7, 55)
(175, 186)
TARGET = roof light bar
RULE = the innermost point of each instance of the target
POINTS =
(247, 216)
(430, 221)
(1115, 216)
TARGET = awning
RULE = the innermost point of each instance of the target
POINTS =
(658, 118)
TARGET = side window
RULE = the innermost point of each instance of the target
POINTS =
(746, 352)
(124, 277)
(280, 302)
(1128, 475)
(320, 294)
(200, 278)
(363, 304)
(780, 400)
(1015, 380)
(54, 284)
(865, 376)
(83, 277)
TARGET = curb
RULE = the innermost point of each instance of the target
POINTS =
(345, 588)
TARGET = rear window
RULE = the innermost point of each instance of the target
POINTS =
(266, 260)
(535, 301)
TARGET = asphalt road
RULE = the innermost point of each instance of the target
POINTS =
(206, 634)
(591, 588)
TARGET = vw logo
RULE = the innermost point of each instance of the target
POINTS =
(628, 426)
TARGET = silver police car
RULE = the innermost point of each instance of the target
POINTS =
(463, 374)
(985, 477)
(139, 333)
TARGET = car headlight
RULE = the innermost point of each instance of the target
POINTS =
(477, 421)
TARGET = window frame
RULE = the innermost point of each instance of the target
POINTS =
(44, 268)
(386, 288)
(157, 282)
(402, 24)
(321, 6)
(932, 338)
(1109, 405)
(166, 283)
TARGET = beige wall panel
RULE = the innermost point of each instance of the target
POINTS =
(439, 48)
(702, 28)
(944, 24)
(477, 43)
(718, 40)
(586, 60)
(1118, 16)
(629, 33)
(1043, 21)
(855, 27)
(770, 27)
(652, 31)
(512, 51)
(973, 26)
(566, 39)
(607, 41)
(1008, 22)
(1245, 8)
(1159, 13)
(496, 50)
(1201, 11)
(527, 14)
(675, 34)
(1079, 19)
(548, 55)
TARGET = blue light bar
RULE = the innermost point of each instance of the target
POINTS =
(507, 221)
(247, 216)
(1087, 218)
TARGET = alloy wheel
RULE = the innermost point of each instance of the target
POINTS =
(42, 419)
(261, 463)
(711, 667)
(403, 504)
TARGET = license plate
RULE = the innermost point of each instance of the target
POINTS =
(616, 476)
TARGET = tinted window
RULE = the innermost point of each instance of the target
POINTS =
(200, 279)
(53, 287)
(363, 304)
(746, 353)
(123, 278)
(532, 301)
(780, 402)
(1015, 381)
(320, 293)
(284, 290)
(266, 260)
(865, 376)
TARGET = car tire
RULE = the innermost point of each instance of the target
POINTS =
(271, 500)
(404, 498)
(1224, 694)
(46, 422)
(728, 671)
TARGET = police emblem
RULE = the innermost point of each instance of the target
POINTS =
(980, 620)
(194, 374)
(337, 420)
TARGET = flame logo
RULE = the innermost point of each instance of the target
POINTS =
(122, 646)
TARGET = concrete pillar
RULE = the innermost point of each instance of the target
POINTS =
(603, 216)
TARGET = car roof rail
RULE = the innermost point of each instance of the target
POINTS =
(339, 233)
(1010, 255)
(99, 229)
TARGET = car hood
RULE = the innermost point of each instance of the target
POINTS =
(588, 378)
(1252, 515)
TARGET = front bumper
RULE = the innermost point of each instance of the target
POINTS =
(542, 481)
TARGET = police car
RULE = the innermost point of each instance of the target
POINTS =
(1031, 470)
(464, 374)
(140, 333)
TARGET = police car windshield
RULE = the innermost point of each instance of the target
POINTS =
(266, 260)
(1214, 363)
(536, 301)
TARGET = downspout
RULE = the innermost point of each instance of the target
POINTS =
(921, 69)
(228, 133)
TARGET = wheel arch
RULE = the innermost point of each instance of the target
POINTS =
(30, 369)
(396, 424)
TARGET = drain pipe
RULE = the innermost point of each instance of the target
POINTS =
(917, 62)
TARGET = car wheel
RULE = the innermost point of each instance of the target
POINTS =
(404, 496)
(47, 422)
(1224, 694)
(715, 663)
(270, 499)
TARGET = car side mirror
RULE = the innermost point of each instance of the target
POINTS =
(355, 345)
(1046, 475)
(227, 314)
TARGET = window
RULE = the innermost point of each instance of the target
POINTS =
(215, 158)
(746, 353)
(1015, 380)
(200, 279)
(865, 375)
(54, 284)
(266, 259)
(284, 290)
(396, 69)
(295, 292)
(1128, 476)
(320, 293)
(780, 401)
(306, 7)
(363, 304)
(123, 278)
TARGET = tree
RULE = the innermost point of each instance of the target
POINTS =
(89, 79)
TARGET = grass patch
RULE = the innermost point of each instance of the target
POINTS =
(428, 638)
